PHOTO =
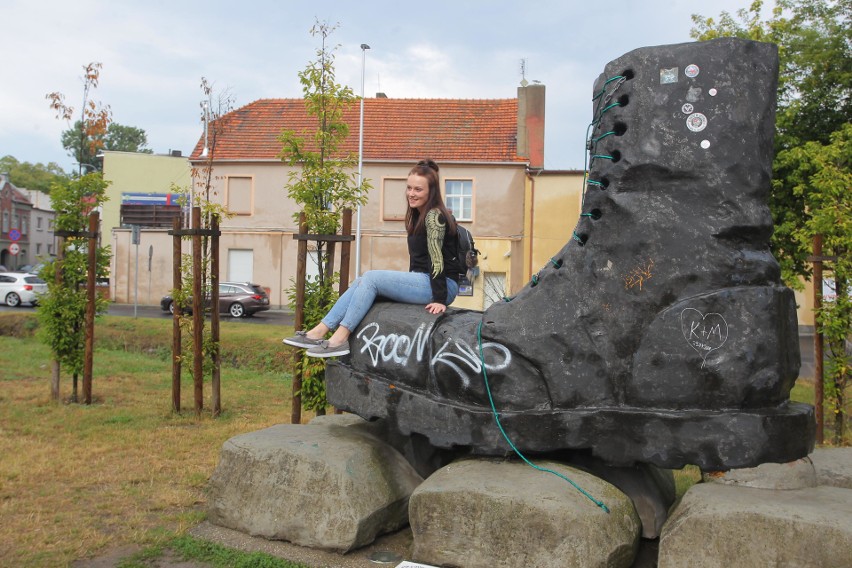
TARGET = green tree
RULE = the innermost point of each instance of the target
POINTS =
(62, 309)
(32, 176)
(323, 180)
(812, 157)
(821, 174)
(84, 148)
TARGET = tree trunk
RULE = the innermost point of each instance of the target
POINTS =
(54, 381)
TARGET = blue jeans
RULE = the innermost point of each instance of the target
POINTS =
(405, 287)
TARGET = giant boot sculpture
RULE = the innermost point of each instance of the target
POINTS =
(661, 332)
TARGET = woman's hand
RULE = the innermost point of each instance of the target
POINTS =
(436, 308)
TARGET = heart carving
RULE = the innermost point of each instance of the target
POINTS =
(704, 333)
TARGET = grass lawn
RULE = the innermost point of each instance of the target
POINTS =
(75, 480)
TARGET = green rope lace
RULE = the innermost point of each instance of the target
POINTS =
(597, 502)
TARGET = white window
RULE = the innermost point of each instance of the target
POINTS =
(38, 223)
(24, 225)
(459, 198)
(5, 221)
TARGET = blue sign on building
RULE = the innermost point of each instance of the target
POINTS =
(148, 199)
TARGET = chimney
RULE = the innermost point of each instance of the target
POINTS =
(531, 124)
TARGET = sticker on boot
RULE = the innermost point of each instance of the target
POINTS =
(668, 76)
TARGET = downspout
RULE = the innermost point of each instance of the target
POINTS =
(532, 223)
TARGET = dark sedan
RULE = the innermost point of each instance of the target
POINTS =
(237, 299)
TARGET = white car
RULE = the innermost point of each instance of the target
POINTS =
(18, 288)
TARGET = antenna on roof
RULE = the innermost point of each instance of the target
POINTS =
(524, 81)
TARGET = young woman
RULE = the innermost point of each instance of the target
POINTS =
(433, 274)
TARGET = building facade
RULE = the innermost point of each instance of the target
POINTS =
(487, 151)
(42, 239)
(15, 215)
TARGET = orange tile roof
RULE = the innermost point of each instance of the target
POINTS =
(466, 130)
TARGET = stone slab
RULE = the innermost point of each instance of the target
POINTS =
(326, 485)
(797, 474)
(495, 513)
(833, 466)
(719, 526)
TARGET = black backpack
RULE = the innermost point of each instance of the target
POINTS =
(467, 255)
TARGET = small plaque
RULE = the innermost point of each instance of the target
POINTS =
(691, 70)
(712, 92)
(687, 108)
(705, 144)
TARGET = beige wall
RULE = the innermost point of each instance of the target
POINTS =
(805, 304)
(555, 199)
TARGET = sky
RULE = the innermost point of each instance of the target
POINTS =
(154, 54)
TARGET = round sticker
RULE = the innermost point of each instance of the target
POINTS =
(686, 108)
(705, 144)
(691, 70)
(696, 122)
(712, 92)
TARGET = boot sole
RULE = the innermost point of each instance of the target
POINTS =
(712, 440)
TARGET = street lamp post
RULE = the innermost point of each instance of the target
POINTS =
(364, 48)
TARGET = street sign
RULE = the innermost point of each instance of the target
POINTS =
(14, 235)
(14, 248)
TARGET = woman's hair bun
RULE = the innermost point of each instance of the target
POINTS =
(428, 163)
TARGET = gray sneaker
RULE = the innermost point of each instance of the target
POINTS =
(326, 349)
(302, 340)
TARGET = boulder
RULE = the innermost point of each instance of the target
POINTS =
(797, 474)
(833, 466)
(497, 513)
(331, 484)
(719, 525)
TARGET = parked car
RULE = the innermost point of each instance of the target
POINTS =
(17, 288)
(237, 299)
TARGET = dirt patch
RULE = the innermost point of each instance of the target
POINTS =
(396, 546)
(111, 559)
